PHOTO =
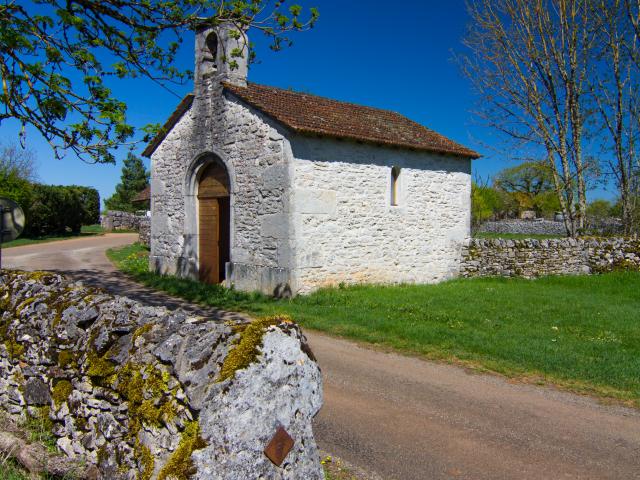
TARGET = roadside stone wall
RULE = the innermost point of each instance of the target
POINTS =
(538, 226)
(144, 231)
(146, 393)
(533, 258)
(116, 220)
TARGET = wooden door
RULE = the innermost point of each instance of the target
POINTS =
(214, 223)
(209, 240)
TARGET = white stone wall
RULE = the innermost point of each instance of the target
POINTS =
(258, 160)
(347, 230)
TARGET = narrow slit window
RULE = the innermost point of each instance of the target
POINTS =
(395, 180)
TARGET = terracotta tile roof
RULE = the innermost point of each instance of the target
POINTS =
(310, 114)
(183, 106)
(142, 196)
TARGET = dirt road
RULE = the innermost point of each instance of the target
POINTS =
(407, 419)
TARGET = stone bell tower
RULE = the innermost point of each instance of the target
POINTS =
(222, 54)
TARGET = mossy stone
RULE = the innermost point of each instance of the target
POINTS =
(248, 346)
(180, 465)
(61, 392)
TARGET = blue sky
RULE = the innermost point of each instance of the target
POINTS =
(393, 58)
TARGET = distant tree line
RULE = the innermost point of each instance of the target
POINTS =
(529, 187)
(49, 209)
(560, 80)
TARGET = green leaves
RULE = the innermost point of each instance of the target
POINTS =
(57, 59)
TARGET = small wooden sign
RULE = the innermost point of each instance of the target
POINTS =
(279, 447)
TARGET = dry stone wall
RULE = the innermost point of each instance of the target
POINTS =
(146, 393)
(538, 226)
(533, 258)
(117, 220)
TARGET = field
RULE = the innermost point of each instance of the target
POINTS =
(581, 333)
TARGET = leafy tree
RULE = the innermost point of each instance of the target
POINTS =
(89, 198)
(134, 179)
(530, 186)
(17, 161)
(57, 209)
(486, 203)
(16, 188)
(17, 170)
(57, 55)
(530, 178)
(599, 209)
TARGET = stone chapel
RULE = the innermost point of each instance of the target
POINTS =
(284, 192)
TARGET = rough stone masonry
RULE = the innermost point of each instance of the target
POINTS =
(534, 258)
(146, 393)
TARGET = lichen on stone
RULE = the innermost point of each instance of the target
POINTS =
(147, 327)
(15, 350)
(145, 460)
(248, 345)
(61, 392)
(147, 392)
(25, 304)
(99, 367)
(180, 465)
(5, 299)
(67, 358)
(38, 275)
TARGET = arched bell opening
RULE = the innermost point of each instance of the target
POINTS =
(214, 222)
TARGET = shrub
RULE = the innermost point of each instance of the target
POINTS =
(15, 188)
(56, 209)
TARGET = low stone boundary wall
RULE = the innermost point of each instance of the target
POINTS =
(116, 220)
(526, 227)
(146, 393)
(534, 258)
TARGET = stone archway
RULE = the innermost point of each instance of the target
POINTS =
(214, 222)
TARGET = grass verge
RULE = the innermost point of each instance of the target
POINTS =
(34, 430)
(581, 333)
(87, 231)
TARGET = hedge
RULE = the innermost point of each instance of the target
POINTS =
(53, 209)
(56, 209)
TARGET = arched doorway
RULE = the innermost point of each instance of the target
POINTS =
(213, 222)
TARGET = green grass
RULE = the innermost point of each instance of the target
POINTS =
(87, 231)
(578, 332)
(33, 430)
(515, 236)
(10, 471)
(97, 228)
(334, 469)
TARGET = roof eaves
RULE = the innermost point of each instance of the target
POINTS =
(183, 106)
(377, 141)
(462, 152)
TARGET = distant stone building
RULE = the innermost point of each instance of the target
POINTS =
(273, 190)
